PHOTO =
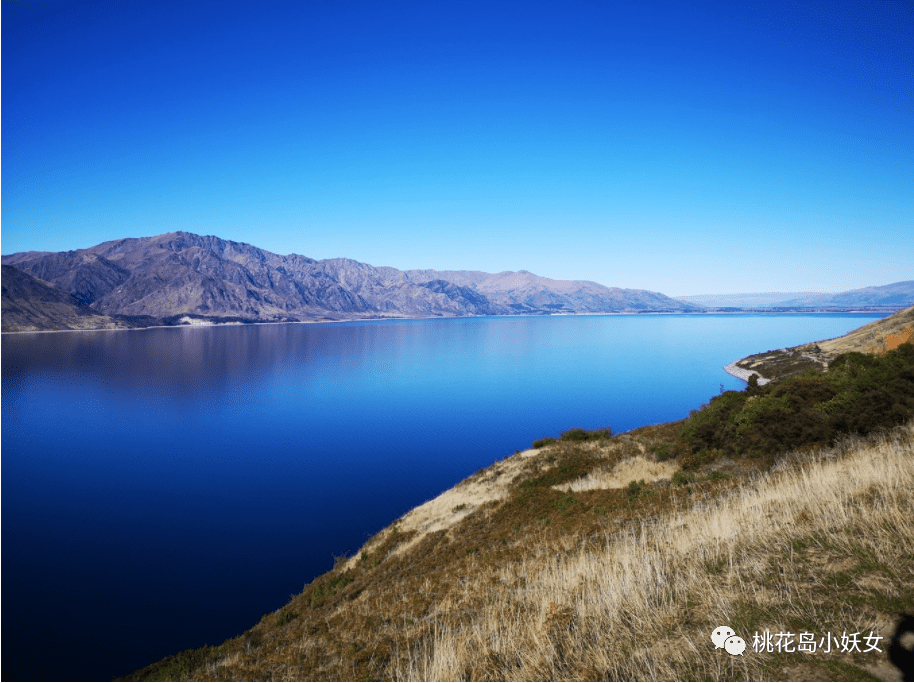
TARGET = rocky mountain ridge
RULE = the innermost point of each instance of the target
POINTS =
(157, 280)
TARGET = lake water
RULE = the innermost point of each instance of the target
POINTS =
(164, 488)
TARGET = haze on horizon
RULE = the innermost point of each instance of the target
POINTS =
(687, 149)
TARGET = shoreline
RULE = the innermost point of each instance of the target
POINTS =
(406, 317)
(740, 373)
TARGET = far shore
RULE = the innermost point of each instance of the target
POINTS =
(206, 323)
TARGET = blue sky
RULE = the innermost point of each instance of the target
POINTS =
(682, 147)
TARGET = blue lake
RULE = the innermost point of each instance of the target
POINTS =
(165, 488)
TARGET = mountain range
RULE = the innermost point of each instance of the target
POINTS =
(181, 277)
(896, 295)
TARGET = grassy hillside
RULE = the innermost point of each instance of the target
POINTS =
(876, 337)
(594, 556)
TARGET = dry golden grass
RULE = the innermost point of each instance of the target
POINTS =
(638, 468)
(533, 583)
(875, 337)
(768, 555)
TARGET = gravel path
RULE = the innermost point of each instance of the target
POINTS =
(744, 374)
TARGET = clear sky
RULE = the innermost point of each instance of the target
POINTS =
(682, 147)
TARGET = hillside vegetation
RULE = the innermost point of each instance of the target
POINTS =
(784, 508)
(876, 337)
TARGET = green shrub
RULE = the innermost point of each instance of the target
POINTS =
(568, 469)
(576, 434)
(635, 488)
(663, 451)
(566, 501)
(754, 406)
(858, 394)
(681, 478)
(700, 428)
(285, 617)
(326, 588)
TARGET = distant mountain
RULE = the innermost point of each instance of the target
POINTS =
(525, 292)
(180, 275)
(896, 294)
(32, 305)
(754, 300)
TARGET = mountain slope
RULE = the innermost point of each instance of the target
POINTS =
(32, 305)
(178, 274)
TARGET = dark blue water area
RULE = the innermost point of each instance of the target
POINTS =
(165, 488)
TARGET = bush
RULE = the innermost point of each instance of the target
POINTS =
(858, 394)
(568, 469)
(576, 434)
(682, 478)
(326, 588)
(635, 488)
(663, 451)
(601, 433)
(285, 617)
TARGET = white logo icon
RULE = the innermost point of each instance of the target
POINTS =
(735, 645)
(720, 634)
